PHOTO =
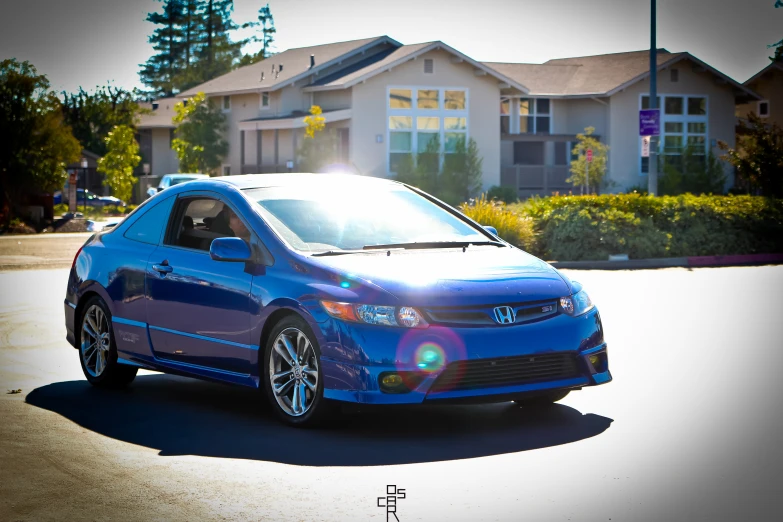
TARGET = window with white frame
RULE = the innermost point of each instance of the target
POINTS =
(684, 122)
(226, 103)
(534, 116)
(418, 115)
(265, 100)
(764, 109)
(505, 116)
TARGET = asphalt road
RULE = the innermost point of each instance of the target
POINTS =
(688, 430)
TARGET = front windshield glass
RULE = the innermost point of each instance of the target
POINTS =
(177, 181)
(331, 217)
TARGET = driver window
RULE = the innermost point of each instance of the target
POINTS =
(202, 220)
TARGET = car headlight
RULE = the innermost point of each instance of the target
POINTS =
(577, 304)
(405, 316)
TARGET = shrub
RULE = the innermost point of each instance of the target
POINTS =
(693, 225)
(505, 194)
(511, 227)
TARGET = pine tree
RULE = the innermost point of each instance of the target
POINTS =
(160, 72)
(190, 43)
(267, 23)
(218, 53)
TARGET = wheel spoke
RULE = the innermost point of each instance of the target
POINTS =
(280, 375)
(89, 331)
(302, 346)
(282, 350)
(90, 351)
(296, 402)
(302, 397)
(289, 348)
(309, 384)
(95, 329)
(282, 389)
(98, 362)
(310, 372)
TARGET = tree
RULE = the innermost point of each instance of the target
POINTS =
(461, 177)
(37, 144)
(758, 157)
(118, 163)
(692, 172)
(596, 168)
(778, 56)
(319, 147)
(199, 142)
(267, 23)
(93, 115)
(190, 42)
(160, 72)
(218, 53)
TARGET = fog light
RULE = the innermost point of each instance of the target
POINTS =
(594, 360)
(391, 380)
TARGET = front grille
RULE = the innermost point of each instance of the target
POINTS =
(485, 315)
(506, 371)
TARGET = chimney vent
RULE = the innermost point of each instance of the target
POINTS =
(312, 61)
(280, 68)
(262, 76)
(154, 106)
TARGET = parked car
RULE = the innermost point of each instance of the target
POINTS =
(322, 289)
(91, 200)
(169, 180)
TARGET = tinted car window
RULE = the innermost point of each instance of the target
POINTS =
(203, 220)
(149, 227)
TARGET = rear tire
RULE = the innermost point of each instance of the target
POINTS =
(97, 349)
(542, 399)
(292, 375)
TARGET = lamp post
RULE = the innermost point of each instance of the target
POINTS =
(652, 171)
(84, 194)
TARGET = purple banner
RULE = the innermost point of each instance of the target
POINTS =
(650, 122)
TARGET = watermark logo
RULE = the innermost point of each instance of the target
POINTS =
(393, 493)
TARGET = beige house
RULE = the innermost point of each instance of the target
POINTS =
(606, 92)
(768, 82)
(386, 100)
(155, 132)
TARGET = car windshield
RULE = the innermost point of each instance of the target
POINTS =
(332, 218)
(177, 181)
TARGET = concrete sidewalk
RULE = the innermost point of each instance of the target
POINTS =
(670, 262)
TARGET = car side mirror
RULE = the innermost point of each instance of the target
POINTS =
(230, 249)
(151, 191)
(491, 230)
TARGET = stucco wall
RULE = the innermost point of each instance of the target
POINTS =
(770, 86)
(333, 100)
(574, 115)
(369, 111)
(164, 160)
(625, 143)
(243, 107)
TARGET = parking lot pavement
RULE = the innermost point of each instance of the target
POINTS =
(40, 250)
(688, 430)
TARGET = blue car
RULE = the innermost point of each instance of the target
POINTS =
(323, 289)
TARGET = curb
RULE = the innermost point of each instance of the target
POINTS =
(673, 262)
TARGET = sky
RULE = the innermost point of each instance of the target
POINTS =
(96, 42)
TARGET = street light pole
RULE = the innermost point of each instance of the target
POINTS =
(652, 171)
(84, 194)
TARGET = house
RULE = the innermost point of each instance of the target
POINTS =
(383, 98)
(606, 92)
(768, 82)
(386, 99)
(155, 133)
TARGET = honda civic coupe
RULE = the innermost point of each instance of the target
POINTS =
(322, 289)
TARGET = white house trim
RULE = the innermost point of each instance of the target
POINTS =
(293, 122)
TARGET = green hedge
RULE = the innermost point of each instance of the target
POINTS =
(572, 228)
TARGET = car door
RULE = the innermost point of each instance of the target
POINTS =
(198, 309)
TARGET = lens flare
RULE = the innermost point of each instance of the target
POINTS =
(430, 357)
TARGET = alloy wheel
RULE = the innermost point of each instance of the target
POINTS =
(96, 340)
(293, 372)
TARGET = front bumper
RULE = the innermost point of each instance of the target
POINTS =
(354, 356)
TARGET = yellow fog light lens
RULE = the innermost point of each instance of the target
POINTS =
(594, 359)
(391, 380)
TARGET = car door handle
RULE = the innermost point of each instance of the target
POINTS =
(163, 269)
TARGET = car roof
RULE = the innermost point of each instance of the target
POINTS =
(185, 175)
(248, 181)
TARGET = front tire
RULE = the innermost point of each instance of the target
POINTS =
(97, 349)
(292, 374)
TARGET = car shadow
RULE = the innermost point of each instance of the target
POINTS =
(180, 416)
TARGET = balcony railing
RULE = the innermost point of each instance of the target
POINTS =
(532, 180)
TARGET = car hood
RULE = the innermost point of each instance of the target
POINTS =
(481, 275)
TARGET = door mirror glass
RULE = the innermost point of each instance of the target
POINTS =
(230, 249)
(491, 229)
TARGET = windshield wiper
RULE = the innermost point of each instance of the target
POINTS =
(334, 253)
(433, 244)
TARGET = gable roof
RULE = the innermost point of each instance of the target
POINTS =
(296, 65)
(771, 67)
(599, 75)
(160, 117)
(351, 76)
